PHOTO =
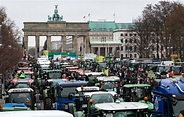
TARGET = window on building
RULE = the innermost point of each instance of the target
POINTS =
(130, 40)
(135, 41)
(126, 48)
(126, 55)
(130, 34)
(130, 48)
(130, 55)
(135, 48)
(121, 34)
(135, 55)
(117, 48)
(121, 48)
(121, 55)
(126, 40)
(126, 34)
(135, 34)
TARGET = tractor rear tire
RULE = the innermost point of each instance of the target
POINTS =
(47, 104)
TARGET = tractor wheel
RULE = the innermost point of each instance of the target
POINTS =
(71, 108)
(47, 104)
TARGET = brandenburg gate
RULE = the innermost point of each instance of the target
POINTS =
(55, 26)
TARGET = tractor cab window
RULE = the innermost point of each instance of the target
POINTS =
(66, 91)
(102, 98)
(20, 98)
(108, 86)
(139, 92)
(22, 85)
(177, 107)
(177, 70)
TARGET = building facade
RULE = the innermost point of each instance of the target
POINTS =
(128, 39)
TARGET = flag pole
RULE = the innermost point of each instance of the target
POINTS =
(89, 16)
(114, 16)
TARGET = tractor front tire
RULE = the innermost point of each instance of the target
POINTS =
(47, 104)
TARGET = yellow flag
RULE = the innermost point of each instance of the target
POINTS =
(46, 52)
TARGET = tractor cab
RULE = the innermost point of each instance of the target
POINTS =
(97, 97)
(168, 96)
(91, 77)
(65, 93)
(109, 83)
(138, 93)
(22, 95)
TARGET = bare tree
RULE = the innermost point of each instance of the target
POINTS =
(151, 27)
(10, 51)
(175, 29)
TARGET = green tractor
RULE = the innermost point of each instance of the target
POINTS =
(138, 93)
(47, 84)
(91, 96)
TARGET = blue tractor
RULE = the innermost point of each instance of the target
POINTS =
(168, 96)
(66, 94)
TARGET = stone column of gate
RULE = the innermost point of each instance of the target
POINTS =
(63, 43)
(48, 42)
(37, 44)
(84, 45)
(26, 43)
(87, 46)
(106, 51)
(75, 44)
(98, 51)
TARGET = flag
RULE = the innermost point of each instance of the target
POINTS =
(84, 16)
(88, 14)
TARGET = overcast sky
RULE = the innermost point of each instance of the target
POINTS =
(74, 10)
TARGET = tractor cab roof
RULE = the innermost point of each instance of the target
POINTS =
(136, 85)
(87, 89)
(94, 73)
(16, 90)
(121, 106)
(99, 92)
(72, 83)
(108, 78)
